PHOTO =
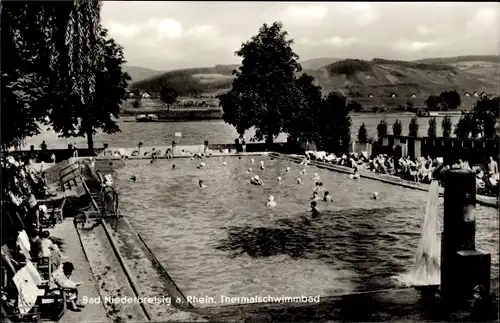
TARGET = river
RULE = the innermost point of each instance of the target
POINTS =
(215, 131)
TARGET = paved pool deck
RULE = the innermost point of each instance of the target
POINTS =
(72, 248)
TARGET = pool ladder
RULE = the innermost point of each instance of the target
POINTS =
(109, 202)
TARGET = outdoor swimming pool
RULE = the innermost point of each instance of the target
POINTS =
(223, 240)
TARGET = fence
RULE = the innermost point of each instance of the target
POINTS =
(474, 150)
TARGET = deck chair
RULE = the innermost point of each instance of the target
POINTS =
(55, 209)
(10, 313)
(51, 300)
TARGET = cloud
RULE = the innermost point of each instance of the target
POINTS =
(362, 13)
(342, 42)
(303, 15)
(424, 30)
(412, 46)
(485, 21)
(197, 34)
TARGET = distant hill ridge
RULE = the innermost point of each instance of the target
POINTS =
(379, 77)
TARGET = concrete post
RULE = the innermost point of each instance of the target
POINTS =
(462, 266)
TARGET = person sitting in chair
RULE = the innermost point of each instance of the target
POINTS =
(62, 277)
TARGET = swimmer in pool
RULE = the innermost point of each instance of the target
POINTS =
(249, 171)
(327, 197)
(299, 181)
(315, 196)
(320, 187)
(151, 161)
(303, 172)
(255, 180)
(262, 167)
(202, 164)
(271, 202)
(314, 209)
(173, 166)
(375, 196)
(133, 178)
(252, 161)
(201, 184)
(316, 186)
(224, 163)
(279, 179)
(316, 177)
(354, 175)
(287, 169)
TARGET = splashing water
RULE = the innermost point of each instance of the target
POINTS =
(427, 268)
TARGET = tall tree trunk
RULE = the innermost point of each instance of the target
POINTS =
(90, 141)
(269, 141)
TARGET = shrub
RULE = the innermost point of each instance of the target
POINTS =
(362, 134)
(432, 131)
(446, 126)
(349, 67)
(136, 104)
(382, 129)
(397, 128)
(413, 127)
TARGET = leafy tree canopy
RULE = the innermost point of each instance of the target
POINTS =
(265, 82)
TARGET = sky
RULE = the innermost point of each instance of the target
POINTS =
(165, 35)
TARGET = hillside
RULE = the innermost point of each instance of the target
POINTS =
(357, 78)
(318, 63)
(140, 73)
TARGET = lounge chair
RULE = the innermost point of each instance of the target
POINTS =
(55, 207)
(50, 300)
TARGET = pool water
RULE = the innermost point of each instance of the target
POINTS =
(223, 240)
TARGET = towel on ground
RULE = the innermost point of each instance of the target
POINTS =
(27, 290)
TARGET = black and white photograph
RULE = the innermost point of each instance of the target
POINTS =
(253, 161)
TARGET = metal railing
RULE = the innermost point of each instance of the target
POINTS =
(109, 202)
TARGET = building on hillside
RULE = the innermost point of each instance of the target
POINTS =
(370, 96)
(475, 94)
(145, 95)
(484, 94)
(413, 96)
(394, 95)
(467, 94)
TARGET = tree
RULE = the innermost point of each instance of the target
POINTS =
(433, 102)
(26, 48)
(413, 127)
(136, 104)
(432, 130)
(304, 116)
(381, 129)
(362, 134)
(264, 85)
(485, 115)
(355, 106)
(464, 126)
(102, 110)
(168, 95)
(446, 126)
(334, 125)
(450, 100)
(397, 128)
(237, 111)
